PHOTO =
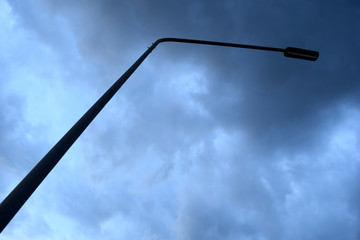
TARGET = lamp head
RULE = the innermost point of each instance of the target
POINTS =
(301, 53)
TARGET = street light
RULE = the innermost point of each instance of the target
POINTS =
(19, 195)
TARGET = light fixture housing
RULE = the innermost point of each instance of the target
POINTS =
(301, 53)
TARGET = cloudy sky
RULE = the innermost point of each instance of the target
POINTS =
(202, 142)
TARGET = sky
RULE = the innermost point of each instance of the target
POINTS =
(202, 142)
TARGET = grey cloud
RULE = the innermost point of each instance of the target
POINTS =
(17, 151)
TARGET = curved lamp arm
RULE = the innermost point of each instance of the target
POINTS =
(288, 52)
(19, 195)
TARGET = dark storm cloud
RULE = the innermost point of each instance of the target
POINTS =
(288, 102)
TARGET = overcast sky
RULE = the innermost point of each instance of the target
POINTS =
(202, 142)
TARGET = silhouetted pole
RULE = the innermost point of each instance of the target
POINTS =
(16, 199)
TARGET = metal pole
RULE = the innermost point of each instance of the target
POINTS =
(21, 193)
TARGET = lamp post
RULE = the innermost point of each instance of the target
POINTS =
(19, 195)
